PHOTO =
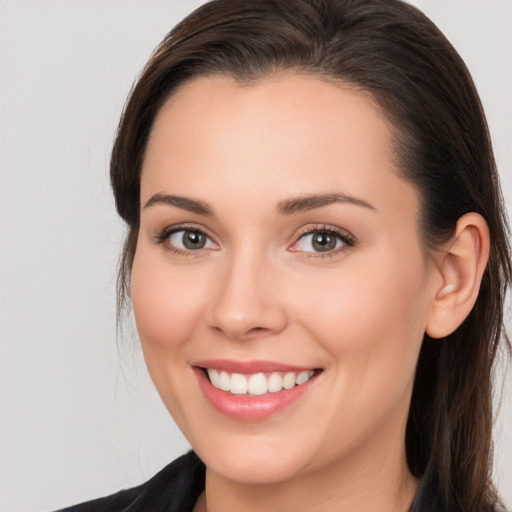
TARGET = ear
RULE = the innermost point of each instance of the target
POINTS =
(460, 263)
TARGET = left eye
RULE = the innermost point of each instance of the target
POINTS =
(320, 241)
(190, 240)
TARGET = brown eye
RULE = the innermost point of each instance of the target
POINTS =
(323, 242)
(193, 240)
(190, 240)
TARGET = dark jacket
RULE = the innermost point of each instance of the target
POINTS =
(174, 489)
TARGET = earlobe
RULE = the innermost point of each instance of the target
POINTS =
(461, 265)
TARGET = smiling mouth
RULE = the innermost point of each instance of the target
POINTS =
(256, 384)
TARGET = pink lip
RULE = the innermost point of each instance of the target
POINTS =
(249, 367)
(245, 407)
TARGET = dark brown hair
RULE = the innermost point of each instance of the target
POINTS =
(391, 50)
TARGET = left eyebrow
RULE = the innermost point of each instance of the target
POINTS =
(185, 203)
(310, 202)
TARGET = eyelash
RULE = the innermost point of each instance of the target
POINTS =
(347, 240)
(162, 237)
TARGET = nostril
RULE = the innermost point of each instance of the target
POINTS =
(256, 331)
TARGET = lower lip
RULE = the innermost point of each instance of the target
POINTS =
(246, 407)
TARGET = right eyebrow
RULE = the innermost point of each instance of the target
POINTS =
(310, 202)
(185, 203)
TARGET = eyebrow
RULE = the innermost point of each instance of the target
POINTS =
(286, 207)
(185, 203)
(310, 202)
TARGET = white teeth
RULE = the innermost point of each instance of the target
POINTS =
(214, 377)
(289, 380)
(302, 377)
(238, 384)
(257, 383)
(275, 383)
(224, 381)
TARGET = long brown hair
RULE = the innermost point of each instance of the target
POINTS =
(441, 144)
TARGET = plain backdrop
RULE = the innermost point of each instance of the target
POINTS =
(79, 415)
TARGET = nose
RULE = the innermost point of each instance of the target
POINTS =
(247, 303)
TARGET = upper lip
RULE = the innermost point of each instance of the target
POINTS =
(249, 367)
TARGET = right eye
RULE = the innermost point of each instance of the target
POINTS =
(190, 240)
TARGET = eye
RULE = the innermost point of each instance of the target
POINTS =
(322, 241)
(190, 240)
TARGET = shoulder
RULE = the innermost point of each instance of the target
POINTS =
(174, 488)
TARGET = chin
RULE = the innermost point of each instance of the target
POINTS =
(254, 468)
(252, 458)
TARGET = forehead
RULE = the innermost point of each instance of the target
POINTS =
(290, 134)
(283, 107)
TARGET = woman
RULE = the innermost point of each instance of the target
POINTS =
(317, 259)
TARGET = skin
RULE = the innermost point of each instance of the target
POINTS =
(259, 291)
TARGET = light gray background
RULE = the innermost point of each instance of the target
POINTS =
(79, 418)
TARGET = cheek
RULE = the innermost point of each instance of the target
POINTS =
(166, 304)
(371, 320)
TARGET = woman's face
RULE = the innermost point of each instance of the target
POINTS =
(279, 250)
